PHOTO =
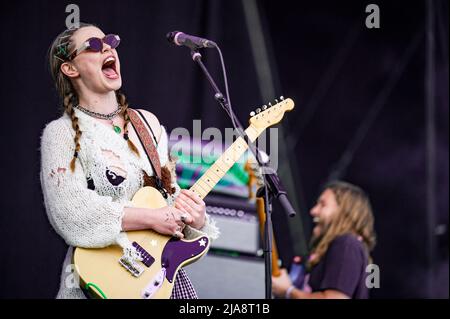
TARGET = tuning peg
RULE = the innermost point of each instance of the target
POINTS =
(258, 110)
(276, 101)
(252, 113)
(282, 98)
(270, 104)
(264, 107)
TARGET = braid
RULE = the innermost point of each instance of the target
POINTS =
(69, 99)
(57, 55)
(122, 100)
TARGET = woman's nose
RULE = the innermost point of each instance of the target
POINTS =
(106, 47)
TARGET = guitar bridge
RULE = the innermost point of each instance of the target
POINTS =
(132, 266)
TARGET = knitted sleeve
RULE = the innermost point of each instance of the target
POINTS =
(210, 229)
(79, 215)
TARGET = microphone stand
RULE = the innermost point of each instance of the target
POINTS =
(272, 184)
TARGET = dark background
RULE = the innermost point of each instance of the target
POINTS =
(350, 83)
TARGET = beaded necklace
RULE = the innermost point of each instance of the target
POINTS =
(109, 117)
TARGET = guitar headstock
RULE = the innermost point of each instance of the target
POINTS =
(269, 115)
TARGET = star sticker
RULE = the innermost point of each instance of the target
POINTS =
(202, 242)
(153, 242)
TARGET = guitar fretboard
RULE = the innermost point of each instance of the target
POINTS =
(214, 174)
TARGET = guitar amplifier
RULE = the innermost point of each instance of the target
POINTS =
(234, 262)
(238, 223)
(227, 277)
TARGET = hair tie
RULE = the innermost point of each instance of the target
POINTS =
(125, 136)
(75, 154)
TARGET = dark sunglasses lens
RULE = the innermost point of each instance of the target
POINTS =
(112, 40)
(95, 44)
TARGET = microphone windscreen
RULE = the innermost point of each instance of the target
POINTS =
(171, 36)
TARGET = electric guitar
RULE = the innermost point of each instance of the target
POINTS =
(108, 273)
(256, 181)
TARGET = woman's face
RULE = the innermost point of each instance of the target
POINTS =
(324, 210)
(91, 70)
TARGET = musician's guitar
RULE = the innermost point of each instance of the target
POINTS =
(108, 273)
(256, 181)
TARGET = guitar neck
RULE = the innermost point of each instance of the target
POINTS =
(218, 170)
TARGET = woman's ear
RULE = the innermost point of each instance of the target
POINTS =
(69, 69)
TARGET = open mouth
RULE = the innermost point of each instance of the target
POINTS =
(109, 68)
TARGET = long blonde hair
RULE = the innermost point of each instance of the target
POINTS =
(57, 55)
(354, 216)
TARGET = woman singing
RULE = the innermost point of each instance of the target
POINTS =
(92, 162)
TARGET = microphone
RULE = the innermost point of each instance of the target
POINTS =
(190, 41)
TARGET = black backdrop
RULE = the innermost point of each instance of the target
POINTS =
(323, 57)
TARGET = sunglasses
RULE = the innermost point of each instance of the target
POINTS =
(96, 44)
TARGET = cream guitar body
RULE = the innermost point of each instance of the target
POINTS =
(108, 273)
(102, 267)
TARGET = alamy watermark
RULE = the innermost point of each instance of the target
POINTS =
(73, 19)
(373, 277)
(72, 280)
(373, 19)
(207, 145)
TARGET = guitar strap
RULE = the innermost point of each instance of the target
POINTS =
(149, 147)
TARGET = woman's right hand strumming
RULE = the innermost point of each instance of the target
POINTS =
(165, 220)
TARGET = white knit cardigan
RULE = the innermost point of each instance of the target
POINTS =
(92, 218)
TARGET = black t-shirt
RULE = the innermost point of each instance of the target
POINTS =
(342, 268)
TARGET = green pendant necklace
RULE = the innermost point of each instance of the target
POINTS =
(116, 128)
(110, 117)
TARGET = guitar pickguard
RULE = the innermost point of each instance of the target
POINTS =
(176, 252)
